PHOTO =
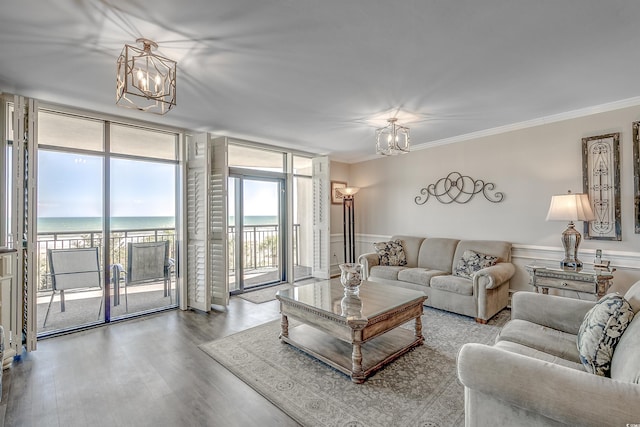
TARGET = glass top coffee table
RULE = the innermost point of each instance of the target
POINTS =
(355, 334)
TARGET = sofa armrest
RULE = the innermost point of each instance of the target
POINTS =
(561, 313)
(367, 261)
(496, 275)
(563, 394)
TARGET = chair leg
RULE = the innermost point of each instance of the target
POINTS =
(48, 308)
(62, 307)
(126, 299)
(101, 304)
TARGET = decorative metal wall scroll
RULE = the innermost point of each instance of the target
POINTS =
(458, 188)
(636, 173)
(601, 180)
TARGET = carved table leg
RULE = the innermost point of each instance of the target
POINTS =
(284, 327)
(419, 329)
(357, 376)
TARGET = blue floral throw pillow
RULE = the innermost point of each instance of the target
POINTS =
(600, 332)
(391, 253)
(471, 262)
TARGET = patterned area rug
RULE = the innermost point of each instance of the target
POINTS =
(418, 389)
(263, 295)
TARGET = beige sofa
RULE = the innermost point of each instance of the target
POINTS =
(532, 375)
(430, 263)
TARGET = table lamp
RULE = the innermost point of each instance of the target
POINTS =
(570, 207)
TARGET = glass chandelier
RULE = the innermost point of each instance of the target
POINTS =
(145, 81)
(392, 139)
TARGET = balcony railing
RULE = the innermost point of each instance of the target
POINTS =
(261, 246)
(87, 239)
(260, 243)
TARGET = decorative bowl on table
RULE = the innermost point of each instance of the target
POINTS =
(350, 277)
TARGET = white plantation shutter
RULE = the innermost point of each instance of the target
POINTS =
(321, 220)
(218, 234)
(23, 227)
(198, 291)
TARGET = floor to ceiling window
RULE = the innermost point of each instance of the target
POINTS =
(255, 228)
(260, 223)
(256, 217)
(302, 231)
(97, 178)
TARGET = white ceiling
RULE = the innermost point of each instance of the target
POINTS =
(321, 75)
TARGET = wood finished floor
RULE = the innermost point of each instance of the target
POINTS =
(143, 372)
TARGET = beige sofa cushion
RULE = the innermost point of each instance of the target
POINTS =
(541, 338)
(633, 296)
(419, 276)
(458, 285)
(389, 272)
(537, 354)
(625, 363)
(436, 253)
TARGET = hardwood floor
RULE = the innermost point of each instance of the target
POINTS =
(143, 372)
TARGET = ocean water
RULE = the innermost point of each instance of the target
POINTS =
(65, 224)
(62, 224)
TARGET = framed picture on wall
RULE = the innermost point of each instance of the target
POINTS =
(336, 197)
(636, 174)
(601, 181)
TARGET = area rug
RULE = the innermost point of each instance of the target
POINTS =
(263, 295)
(418, 389)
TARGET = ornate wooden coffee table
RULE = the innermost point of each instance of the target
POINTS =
(355, 334)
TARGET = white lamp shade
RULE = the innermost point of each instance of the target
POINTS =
(570, 207)
(348, 191)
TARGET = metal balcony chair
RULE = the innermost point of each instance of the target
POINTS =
(146, 263)
(76, 269)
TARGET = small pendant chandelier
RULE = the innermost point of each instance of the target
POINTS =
(145, 81)
(392, 139)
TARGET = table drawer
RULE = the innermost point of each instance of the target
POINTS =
(571, 285)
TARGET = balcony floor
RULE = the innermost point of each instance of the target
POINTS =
(82, 307)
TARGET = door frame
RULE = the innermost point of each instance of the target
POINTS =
(241, 174)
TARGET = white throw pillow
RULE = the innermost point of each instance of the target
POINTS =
(600, 332)
(472, 261)
(391, 253)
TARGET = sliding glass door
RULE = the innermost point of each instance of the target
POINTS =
(69, 218)
(107, 196)
(256, 231)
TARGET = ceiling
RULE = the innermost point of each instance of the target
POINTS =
(321, 75)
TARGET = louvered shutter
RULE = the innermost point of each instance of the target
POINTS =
(321, 219)
(198, 293)
(218, 230)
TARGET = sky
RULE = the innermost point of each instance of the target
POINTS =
(70, 185)
(260, 198)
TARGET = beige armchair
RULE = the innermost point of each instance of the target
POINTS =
(532, 375)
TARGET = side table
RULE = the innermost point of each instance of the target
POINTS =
(595, 282)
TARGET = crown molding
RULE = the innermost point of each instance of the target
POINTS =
(574, 114)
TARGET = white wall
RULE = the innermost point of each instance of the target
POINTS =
(528, 166)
